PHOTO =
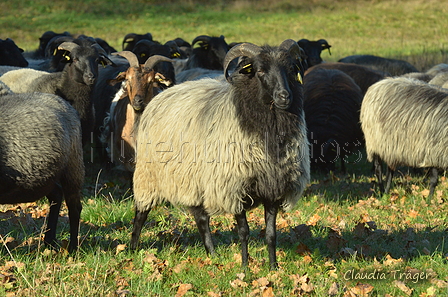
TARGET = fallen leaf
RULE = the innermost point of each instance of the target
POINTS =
(362, 290)
(401, 285)
(268, 292)
(389, 261)
(120, 248)
(334, 289)
(183, 289)
(313, 220)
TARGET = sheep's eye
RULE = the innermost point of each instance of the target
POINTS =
(247, 69)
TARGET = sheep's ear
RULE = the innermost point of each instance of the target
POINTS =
(120, 77)
(104, 61)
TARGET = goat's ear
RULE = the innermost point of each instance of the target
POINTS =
(120, 77)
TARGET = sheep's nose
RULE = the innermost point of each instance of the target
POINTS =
(282, 99)
(89, 78)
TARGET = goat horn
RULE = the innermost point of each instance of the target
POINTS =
(241, 50)
(130, 56)
(203, 38)
(68, 46)
(153, 60)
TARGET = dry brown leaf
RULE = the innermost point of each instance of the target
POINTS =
(303, 249)
(413, 213)
(334, 289)
(307, 259)
(213, 294)
(268, 292)
(401, 285)
(313, 220)
(389, 261)
(362, 290)
(183, 289)
(120, 248)
(335, 241)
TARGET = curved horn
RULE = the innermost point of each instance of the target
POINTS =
(68, 46)
(153, 60)
(130, 56)
(203, 38)
(241, 50)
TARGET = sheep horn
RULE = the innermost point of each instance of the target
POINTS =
(153, 60)
(241, 50)
(68, 46)
(203, 38)
(291, 46)
(130, 56)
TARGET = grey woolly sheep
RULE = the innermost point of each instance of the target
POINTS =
(74, 83)
(405, 124)
(41, 155)
(392, 66)
(226, 146)
(332, 104)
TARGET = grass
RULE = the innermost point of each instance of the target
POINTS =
(340, 233)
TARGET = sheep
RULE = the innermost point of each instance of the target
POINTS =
(209, 55)
(363, 76)
(40, 52)
(394, 67)
(331, 105)
(74, 83)
(429, 74)
(138, 83)
(41, 155)
(131, 39)
(404, 122)
(229, 145)
(11, 54)
(313, 49)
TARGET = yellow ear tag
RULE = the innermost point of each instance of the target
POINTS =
(103, 64)
(299, 78)
(67, 57)
(55, 51)
(248, 68)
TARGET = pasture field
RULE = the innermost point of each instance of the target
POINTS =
(342, 239)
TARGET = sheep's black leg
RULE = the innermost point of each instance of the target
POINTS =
(73, 201)
(270, 217)
(55, 200)
(433, 182)
(389, 175)
(202, 220)
(378, 172)
(139, 220)
(243, 233)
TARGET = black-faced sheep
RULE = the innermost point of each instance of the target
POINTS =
(313, 49)
(41, 155)
(363, 76)
(137, 89)
(226, 146)
(209, 54)
(332, 104)
(394, 67)
(74, 83)
(11, 54)
(404, 124)
(131, 39)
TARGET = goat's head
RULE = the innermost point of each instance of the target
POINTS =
(275, 73)
(313, 49)
(211, 51)
(141, 79)
(83, 55)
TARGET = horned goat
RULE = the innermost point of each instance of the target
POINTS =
(226, 146)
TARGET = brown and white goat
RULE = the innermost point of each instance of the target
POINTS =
(140, 83)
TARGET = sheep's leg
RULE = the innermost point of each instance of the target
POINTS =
(270, 217)
(389, 175)
(243, 233)
(202, 220)
(433, 182)
(139, 220)
(55, 200)
(74, 214)
(378, 172)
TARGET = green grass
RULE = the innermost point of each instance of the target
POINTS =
(341, 225)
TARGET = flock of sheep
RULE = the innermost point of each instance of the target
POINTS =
(212, 126)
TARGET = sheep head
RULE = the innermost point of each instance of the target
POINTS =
(273, 74)
(83, 56)
(211, 52)
(313, 49)
(141, 79)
